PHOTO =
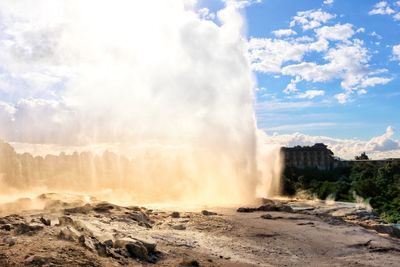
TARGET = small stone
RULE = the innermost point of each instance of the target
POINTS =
(178, 227)
(6, 227)
(9, 240)
(46, 222)
(192, 263)
(208, 213)
(108, 243)
(266, 216)
(175, 214)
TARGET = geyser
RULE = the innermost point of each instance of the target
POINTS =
(168, 93)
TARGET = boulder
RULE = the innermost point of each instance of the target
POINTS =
(149, 243)
(69, 233)
(137, 250)
(35, 260)
(29, 229)
(64, 221)
(87, 243)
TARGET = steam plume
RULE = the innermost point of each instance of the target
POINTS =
(151, 80)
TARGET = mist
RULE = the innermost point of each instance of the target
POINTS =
(158, 97)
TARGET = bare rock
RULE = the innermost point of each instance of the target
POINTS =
(6, 227)
(69, 233)
(178, 227)
(46, 222)
(135, 248)
(82, 209)
(267, 216)
(35, 260)
(149, 243)
(9, 240)
(190, 263)
(175, 214)
(64, 221)
(29, 229)
(87, 243)
(208, 213)
(104, 207)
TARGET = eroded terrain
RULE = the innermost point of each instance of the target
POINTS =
(274, 233)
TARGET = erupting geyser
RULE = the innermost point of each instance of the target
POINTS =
(169, 92)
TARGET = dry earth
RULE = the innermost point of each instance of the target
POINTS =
(277, 234)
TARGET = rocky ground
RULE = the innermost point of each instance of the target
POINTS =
(82, 232)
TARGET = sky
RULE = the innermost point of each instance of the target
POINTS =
(327, 68)
(324, 70)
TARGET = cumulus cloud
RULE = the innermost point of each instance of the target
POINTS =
(340, 56)
(328, 2)
(381, 8)
(347, 62)
(384, 8)
(339, 32)
(383, 146)
(311, 19)
(284, 32)
(268, 55)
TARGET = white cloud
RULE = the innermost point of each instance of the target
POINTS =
(339, 32)
(342, 97)
(328, 2)
(268, 55)
(384, 142)
(284, 32)
(243, 3)
(381, 8)
(311, 19)
(397, 3)
(396, 17)
(205, 13)
(360, 30)
(310, 94)
(396, 52)
(347, 62)
(383, 146)
(344, 58)
(292, 86)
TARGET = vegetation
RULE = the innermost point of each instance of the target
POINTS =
(379, 185)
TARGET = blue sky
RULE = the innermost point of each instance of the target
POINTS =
(367, 110)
